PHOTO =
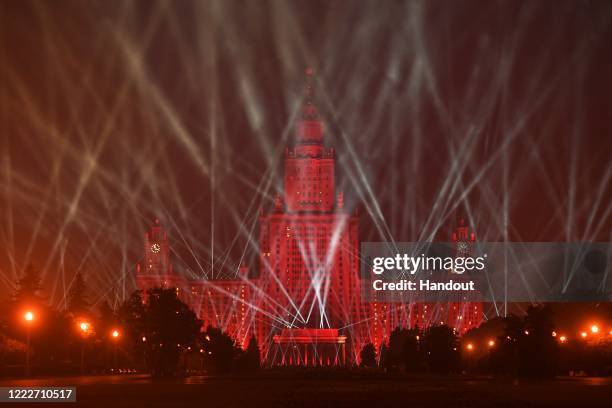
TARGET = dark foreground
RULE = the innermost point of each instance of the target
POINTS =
(299, 390)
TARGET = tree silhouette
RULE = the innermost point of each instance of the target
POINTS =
(384, 356)
(411, 350)
(77, 295)
(395, 353)
(404, 351)
(440, 348)
(527, 347)
(368, 356)
(252, 356)
(131, 317)
(131, 314)
(169, 324)
(219, 350)
(538, 348)
(29, 286)
(165, 322)
(107, 315)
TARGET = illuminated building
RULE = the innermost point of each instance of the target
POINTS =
(305, 307)
(218, 303)
(225, 303)
(309, 249)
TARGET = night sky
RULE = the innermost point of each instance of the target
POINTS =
(115, 113)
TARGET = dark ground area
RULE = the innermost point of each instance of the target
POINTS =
(299, 390)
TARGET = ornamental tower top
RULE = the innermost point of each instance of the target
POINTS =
(309, 167)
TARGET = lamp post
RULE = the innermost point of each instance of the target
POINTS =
(85, 328)
(470, 350)
(28, 317)
(115, 335)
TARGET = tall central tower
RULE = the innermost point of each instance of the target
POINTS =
(309, 246)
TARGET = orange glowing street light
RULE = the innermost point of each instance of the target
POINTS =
(583, 334)
(84, 326)
(470, 346)
(562, 339)
(115, 334)
(491, 343)
(595, 328)
(28, 316)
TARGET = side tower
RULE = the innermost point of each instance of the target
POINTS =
(464, 316)
(156, 269)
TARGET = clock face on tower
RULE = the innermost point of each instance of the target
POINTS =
(155, 248)
(462, 247)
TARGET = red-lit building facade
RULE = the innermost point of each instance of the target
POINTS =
(309, 256)
(305, 306)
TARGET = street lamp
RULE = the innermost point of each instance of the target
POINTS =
(491, 343)
(115, 334)
(470, 349)
(85, 328)
(583, 334)
(594, 328)
(28, 317)
(562, 339)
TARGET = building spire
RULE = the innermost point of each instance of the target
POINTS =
(309, 110)
(309, 129)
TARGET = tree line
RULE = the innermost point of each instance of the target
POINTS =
(516, 346)
(162, 336)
